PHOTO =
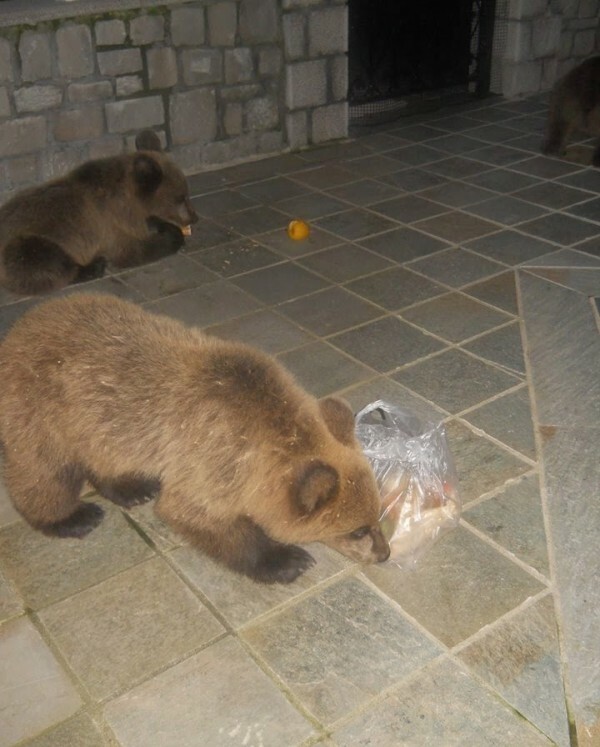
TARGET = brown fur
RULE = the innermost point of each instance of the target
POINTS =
(245, 462)
(575, 105)
(126, 209)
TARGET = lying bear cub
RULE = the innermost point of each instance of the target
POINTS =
(127, 209)
(242, 461)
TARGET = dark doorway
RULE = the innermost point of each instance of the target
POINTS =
(406, 55)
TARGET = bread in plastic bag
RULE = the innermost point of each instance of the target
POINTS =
(416, 478)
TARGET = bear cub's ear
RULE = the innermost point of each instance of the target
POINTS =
(339, 419)
(148, 140)
(147, 173)
(315, 485)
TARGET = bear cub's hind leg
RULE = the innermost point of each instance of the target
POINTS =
(127, 490)
(50, 501)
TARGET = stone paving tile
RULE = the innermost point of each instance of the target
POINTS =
(460, 585)
(11, 604)
(589, 210)
(481, 465)
(255, 220)
(46, 569)
(506, 210)
(416, 155)
(239, 599)
(281, 242)
(123, 629)
(456, 143)
(585, 179)
(329, 311)
(167, 277)
(502, 180)
(395, 288)
(456, 194)
(514, 519)
(322, 369)
(207, 234)
(510, 247)
(324, 177)
(454, 380)
(386, 343)
(454, 317)
(499, 291)
(263, 329)
(404, 244)
(408, 208)
(456, 227)
(208, 304)
(564, 258)
(502, 346)
(238, 257)
(279, 283)
(352, 644)
(373, 166)
(561, 228)
(414, 180)
(355, 224)
(272, 190)
(312, 205)
(546, 168)
(498, 155)
(365, 191)
(552, 195)
(440, 706)
(79, 731)
(35, 692)
(457, 167)
(520, 659)
(583, 281)
(221, 203)
(456, 267)
(344, 262)
(232, 704)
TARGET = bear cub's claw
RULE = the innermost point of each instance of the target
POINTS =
(283, 565)
(78, 524)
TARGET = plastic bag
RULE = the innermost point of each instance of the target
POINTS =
(416, 477)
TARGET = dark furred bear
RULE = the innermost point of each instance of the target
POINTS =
(575, 105)
(127, 210)
(243, 462)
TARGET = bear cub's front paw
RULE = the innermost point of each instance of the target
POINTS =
(283, 564)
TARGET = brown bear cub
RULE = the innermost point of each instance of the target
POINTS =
(575, 105)
(127, 209)
(243, 462)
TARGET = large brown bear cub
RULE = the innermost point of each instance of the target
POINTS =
(127, 210)
(243, 461)
(575, 105)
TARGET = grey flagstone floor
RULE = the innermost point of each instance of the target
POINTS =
(450, 269)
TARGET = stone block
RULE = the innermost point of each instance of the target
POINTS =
(519, 78)
(329, 122)
(262, 113)
(22, 135)
(270, 142)
(147, 29)
(289, 4)
(328, 31)
(294, 36)
(566, 45)
(545, 36)
(37, 98)
(339, 77)
(127, 85)
(239, 65)
(130, 145)
(222, 24)
(120, 61)
(4, 103)
(526, 8)
(193, 116)
(549, 72)
(259, 21)
(230, 150)
(106, 147)
(35, 55)
(75, 51)
(518, 41)
(21, 170)
(565, 8)
(306, 84)
(233, 118)
(269, 61)
(187, 27)
(297, 129)
(84, 123)
(162, 67)
(94, 91)
(201, 66)
(134, 114)
(584, 43)
(62, 160)
(241, 92)
(6, 71)
(110, 32)
(589, 8)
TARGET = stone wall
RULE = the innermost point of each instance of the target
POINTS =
(541, 40)
(220, 80)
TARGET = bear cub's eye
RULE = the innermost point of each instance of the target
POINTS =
(360, 533)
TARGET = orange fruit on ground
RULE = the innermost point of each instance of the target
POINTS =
(298, 230)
